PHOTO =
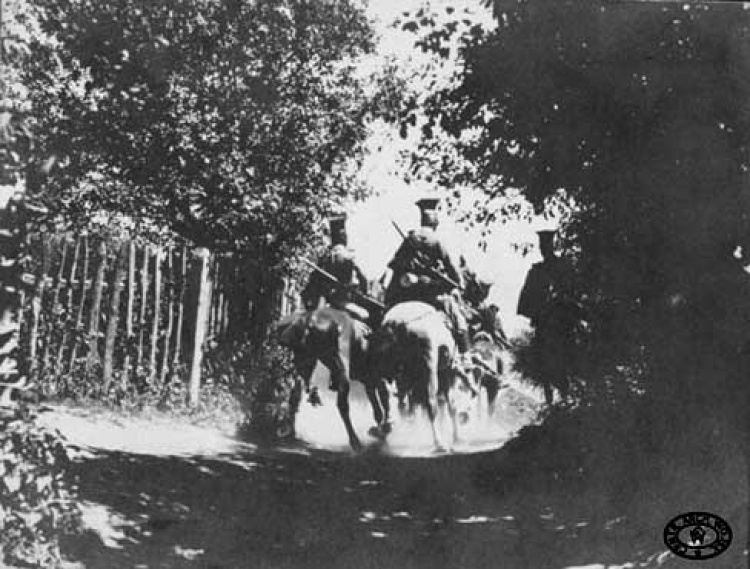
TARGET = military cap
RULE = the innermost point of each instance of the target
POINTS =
(428, 210)
(546, 234)
(337, 226)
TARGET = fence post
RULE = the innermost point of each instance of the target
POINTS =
(114, 317)
(55, 309)
(81, 305)
(129, 334)
(180, 308)
(201, 322)
(68, 307)
(93, 356)
(144, 303)
(169, 293)
(37, 302)
(155, 318)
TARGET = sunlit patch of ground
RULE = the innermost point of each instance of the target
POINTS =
(141, 435)
(321, 427)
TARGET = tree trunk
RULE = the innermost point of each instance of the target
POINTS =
(114, 316)
(93, 356)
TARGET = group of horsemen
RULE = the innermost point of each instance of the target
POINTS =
(422, 269)
(425, 269)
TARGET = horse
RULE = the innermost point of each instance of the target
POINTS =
(340, 342)
(415, 346)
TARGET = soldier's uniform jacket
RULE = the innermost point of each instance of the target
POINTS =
(547, 287)
(341, 263)
(421, 248)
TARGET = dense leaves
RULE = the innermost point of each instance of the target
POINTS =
(226, 121)
(639, 113)
(35, 500)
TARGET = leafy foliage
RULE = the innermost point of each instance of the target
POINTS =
(228, 122)
(639, 112)
(35, 498)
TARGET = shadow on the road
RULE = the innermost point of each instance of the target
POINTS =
(524, 506)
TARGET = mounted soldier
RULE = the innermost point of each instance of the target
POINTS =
(336, 326)
(424, 269)
(338, 281)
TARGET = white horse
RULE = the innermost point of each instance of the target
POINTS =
(415, 345)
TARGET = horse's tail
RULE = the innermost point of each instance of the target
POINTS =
(382, 344)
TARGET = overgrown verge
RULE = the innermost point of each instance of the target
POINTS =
(619, 454)
(36, 500)
(253, 389)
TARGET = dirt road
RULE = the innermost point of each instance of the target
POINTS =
(163, 495)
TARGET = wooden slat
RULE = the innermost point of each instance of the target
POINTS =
(113, 321)
(129, 334)
(201, 324)
(68, 309)
(170, 287)
(54, 318)
(180, 308)
(155, 317)
(81, 305)
(144, 301)
(93, 356)
(36, 304)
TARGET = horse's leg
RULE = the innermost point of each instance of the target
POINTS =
(448, 398)
(386, 403)
(341, 380)
(431, 372)
(377, 410)
(492, 385)
(496, 384)
(305, 366)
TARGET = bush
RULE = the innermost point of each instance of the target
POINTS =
(35, 499)
(273, 394)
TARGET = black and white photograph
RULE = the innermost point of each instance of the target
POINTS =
(374, 284)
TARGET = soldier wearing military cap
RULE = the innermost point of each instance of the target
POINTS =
(423, 268)
(547, 299)
(545, 282)
(340, 262)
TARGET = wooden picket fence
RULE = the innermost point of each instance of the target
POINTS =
(125, 311)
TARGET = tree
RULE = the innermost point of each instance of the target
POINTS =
(18, 25)
(235, 124)
(639, 112)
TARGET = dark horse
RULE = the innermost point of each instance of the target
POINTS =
(340, 343)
